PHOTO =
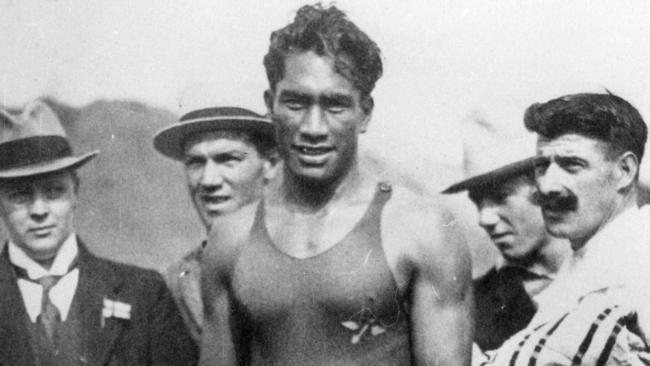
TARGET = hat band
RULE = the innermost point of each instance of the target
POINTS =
(33, 150)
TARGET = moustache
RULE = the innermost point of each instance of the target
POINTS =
(555, 202)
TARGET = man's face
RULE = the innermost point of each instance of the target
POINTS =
(224, 172)
(38, 212)
(512, 221)
(319, 115)
(577, 185)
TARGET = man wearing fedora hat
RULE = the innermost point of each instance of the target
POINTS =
(530, 257)
(60, 304)
(228, 155)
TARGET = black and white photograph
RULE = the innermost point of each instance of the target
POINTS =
(356, 182)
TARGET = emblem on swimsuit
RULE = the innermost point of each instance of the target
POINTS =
(363, 324)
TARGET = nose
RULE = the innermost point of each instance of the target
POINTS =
(39, 207)
(549, 180)
(314, 125)
(488, 215)
(212, 176)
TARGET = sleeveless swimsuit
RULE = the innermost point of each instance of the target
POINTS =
(340, 307)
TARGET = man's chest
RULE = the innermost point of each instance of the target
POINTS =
(303, 235)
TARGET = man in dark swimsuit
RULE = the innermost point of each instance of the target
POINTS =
(505, 296)
(340, 268)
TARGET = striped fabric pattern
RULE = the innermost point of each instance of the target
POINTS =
(593, 334)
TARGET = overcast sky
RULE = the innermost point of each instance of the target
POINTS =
(445, 61)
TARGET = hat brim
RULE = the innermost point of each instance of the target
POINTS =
(69, 162)
(494, 176)
(169, 141)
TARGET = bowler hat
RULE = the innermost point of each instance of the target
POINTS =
(169, 141)
(35, 142)
(495, 176)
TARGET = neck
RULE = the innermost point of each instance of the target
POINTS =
(243, 212)
(233, 227)
(628, 201)
(551, 256)
(310, 196)
(46, 263)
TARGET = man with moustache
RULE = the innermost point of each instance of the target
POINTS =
(61, 305)
(340, 267)
(597, 312)
(228, 154)
(505, 297)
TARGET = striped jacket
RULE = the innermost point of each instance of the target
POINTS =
(597, 312)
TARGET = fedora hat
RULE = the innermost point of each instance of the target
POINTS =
(169, 141)
(35, 142)
(491, 156)
(495, 176)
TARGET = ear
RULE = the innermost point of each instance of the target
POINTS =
(269, 96)
(628, 169)
(367, 106)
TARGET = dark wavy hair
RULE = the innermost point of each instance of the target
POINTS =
(606, 117)
(327, 32)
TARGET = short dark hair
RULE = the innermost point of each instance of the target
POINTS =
(606, 117)
(327, 32)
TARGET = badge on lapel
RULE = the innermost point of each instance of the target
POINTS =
(115, 309)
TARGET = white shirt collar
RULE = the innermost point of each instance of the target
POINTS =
(608, 254)
(64, 257)
(613, 257)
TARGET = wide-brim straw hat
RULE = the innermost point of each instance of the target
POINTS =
(35, 142)
(170, 140)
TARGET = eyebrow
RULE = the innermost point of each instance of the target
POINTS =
(325, 99)
(216, 156)
(295, 94)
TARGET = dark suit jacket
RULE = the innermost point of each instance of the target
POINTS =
(184, 281)
(154, 334)
(502, 307)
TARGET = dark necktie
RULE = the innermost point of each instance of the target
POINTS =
(49, 316)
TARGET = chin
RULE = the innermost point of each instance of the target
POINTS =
(559, 231)
(43, 252)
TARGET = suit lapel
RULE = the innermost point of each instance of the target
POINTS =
(190, 287)
(97, 281)
(15, 346)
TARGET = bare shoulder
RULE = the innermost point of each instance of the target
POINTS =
(421, 234)
(421, 220)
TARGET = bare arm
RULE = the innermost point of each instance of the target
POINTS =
(441, 299)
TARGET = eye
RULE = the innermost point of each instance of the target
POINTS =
(194, 162)
(293, 103)
(56, 190)
(19, 196)
(571, 164)
(336, 109)
(336, 105)
(229, 159)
